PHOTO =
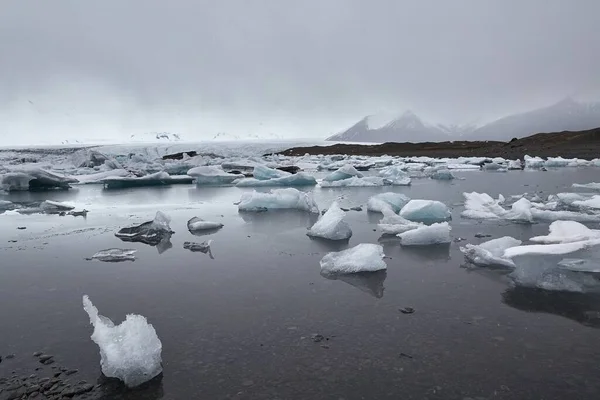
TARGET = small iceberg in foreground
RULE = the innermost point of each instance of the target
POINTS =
(331, 225)
(392, 200)
(276, 199)
(203, 247)
(393, 224)
(426, 235)
(151, 232)
(365, 257)
(395, 175)
(425, 211)
(198, 224)
(115, 255)
(130, 351)
(299, 179)
(209, 175)
(490, 253)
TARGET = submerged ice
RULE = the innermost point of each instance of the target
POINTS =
(130, 351)
(331, 225)
(392, 200)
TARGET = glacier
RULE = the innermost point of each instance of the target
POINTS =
(331, 225)
(364, 257)
(130, 351)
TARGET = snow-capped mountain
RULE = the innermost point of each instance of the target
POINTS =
(566, 115)
(407, 127)
(152, 137)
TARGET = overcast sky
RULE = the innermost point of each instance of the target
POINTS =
(303, 68)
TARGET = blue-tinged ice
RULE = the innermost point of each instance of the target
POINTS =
(299, 179)
(425, 211)
(262, 172)
(442, 175)
(288, 198)
(211, 175)
(157, 179)
(130, 351)
(331, 225)
(384, 200)
(393, 224)
(345, 172)
(368, 181)
(396, 175)
(365, 257)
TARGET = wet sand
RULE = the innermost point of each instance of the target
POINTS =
(242, 325)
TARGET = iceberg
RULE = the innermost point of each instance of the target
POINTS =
(442, 175)
(130, 351)
(534, 162)
(555, 249)
(425, 211)
(567, 232)
(98, 178)
(152, 232)
(34, 179)
(299, 179)
(331, 225)
(203, 247)
(395, 175)
(482, 206)
(520, 211)
(345, 172)
(115, 255)
(386, 200)
(263, 173)
(357, 182)
(438, 233)
(579, 265)
(198, 224)
(393, 224)
(491, 253)
(593, 202)
(593, 185)
(210, 175)
(288, 198)
(365, 257)
(156, 179)
(557, 162)
(515, 165)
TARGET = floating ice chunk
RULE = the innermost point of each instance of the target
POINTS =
(262, 172)
(100, 176)
(151, 232)
(533, 162)
(392, 224)
(426, 235)
(210, 175)
(520, 211)
(365, 257)
(557, 162)
(560, 248)
(395, 175)
(567, 232)
(515, 164)
(156, 179)
(203, 247)
(299, 179)
(87, 158)
(490, 253)
(357, 182)
(425, 211)
(345, 172)
(593, 202)
(579, 265)
(593, 185)
(288, 198)
(198, 224)
(130, 351)
(384, 200)
(493, 167)
(331, 225)
(442, 175)
(34, 179)
(549, 215)
(115, 255)
(482, 206)
(50, 206)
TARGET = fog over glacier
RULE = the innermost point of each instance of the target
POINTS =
(110, 69)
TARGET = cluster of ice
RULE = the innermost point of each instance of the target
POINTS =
(34, 179)
(211, 175)
(438, 233)
(50, 207)
(331, 225)
(592, 185)
(198, 224)
(357, 182)
(345, 172)
(425, 211)
(288, 198)
(365, 257)
(396, 175)
(156, 179)
(130, 351)
(115, 255)
(533, 162)
(393, 224)
(299, 179)
(392, 200)
(151, 232)
(491, 253)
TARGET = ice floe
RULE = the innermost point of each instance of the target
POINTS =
(384, 200)
(331, 225)
(130, 351)
(438, 233)
(198, 224)
(299, 179)
(288, 198)
(156, 179)
(491, 253)
(115, 255)
(392, 224)
(211, 175)
(425, 211)
(357, 182)
(34, 179)
(364, 257)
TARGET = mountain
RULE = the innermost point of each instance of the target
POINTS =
(155, 137)
(407, 127)
(225, 137)
(566, 115)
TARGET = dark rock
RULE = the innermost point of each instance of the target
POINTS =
(9, 356)
(22, 227)
(482, 235)
(32, 388)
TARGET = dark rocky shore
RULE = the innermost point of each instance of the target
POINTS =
(582, 144)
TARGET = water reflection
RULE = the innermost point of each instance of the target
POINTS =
(274, 220)
(368, 282)
(430, 254)
(165, 244)
(583, 308)
(114, 389)
(329, 245)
